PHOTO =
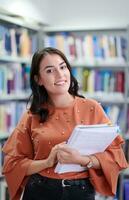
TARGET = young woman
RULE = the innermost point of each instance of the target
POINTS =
(38, 141)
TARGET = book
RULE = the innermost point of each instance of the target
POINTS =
(88, 139)
(126, 189)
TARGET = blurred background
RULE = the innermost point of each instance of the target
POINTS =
(94, 35)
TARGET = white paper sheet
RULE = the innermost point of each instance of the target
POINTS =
(88, 139)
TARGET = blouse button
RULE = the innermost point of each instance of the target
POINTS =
(82, 121)
(62, 132)
(49, 143)
(64, 113)
(48, 171)
(92, 108)
(78, 111)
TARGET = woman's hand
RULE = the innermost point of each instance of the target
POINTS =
(52, 158)
(67, 155)
(39, 165)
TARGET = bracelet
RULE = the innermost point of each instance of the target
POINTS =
(90, 164)
(87, 163)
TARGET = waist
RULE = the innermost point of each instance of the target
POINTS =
(69, 175)
(60, 182)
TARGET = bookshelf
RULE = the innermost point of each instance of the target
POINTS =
(100, 62)
(18, 41)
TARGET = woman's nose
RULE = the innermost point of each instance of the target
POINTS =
(59, 72)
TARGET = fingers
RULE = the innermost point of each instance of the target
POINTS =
(65, 148)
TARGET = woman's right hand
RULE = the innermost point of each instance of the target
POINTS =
(39, 165)
(52, 158)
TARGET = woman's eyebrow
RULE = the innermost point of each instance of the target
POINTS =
(50, 66)
(62, 63)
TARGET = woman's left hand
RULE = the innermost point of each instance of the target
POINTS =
(67, 155)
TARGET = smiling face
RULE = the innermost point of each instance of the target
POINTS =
(54, 75)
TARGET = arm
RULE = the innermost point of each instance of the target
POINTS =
(112, 160)
(39, 165)
(69, 155)
(84, 160)
(16, 161)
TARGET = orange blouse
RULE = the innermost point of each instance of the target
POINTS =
(32, 140)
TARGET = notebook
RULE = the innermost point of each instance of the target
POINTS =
(88, 139)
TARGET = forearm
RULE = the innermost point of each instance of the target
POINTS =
(37, 166)
(85, 160)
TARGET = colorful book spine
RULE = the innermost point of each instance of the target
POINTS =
(126, 189)
(88, 48)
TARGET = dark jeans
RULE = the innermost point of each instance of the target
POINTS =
(42, 188)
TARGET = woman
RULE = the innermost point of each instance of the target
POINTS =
(38, 141)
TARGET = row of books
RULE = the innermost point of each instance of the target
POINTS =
(17, 41)
(127, 122)
(92, 80)
(14, 78)
(115, 113)
(126, 189)
(87, 47)
(2, 142)
(10, 115)
(126, 148)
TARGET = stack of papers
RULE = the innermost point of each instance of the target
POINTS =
(88, 139)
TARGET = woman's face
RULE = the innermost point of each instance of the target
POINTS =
(54, 75)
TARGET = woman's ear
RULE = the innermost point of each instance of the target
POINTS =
(37, 80)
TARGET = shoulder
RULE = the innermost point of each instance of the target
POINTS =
(26, 116)
(25, 120)
(87, 102)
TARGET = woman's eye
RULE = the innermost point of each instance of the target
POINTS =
(63, 67)
(49, 71)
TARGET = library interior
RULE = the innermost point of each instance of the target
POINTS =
(94, 36)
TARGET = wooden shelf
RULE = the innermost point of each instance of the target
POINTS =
(20, 21)
(19, 97)
(15, 59)
(3, 135)
(101, 64)
(84, 29)
(125, 172)
(104, 97)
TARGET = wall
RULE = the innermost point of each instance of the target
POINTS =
(30, 9)
(71, 13)
(89, 13)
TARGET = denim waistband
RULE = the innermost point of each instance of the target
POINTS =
(62, 182)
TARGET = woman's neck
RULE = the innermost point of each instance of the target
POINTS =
(62, 100)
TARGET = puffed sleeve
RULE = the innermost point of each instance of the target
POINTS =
(112, 161)
(18, 152)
